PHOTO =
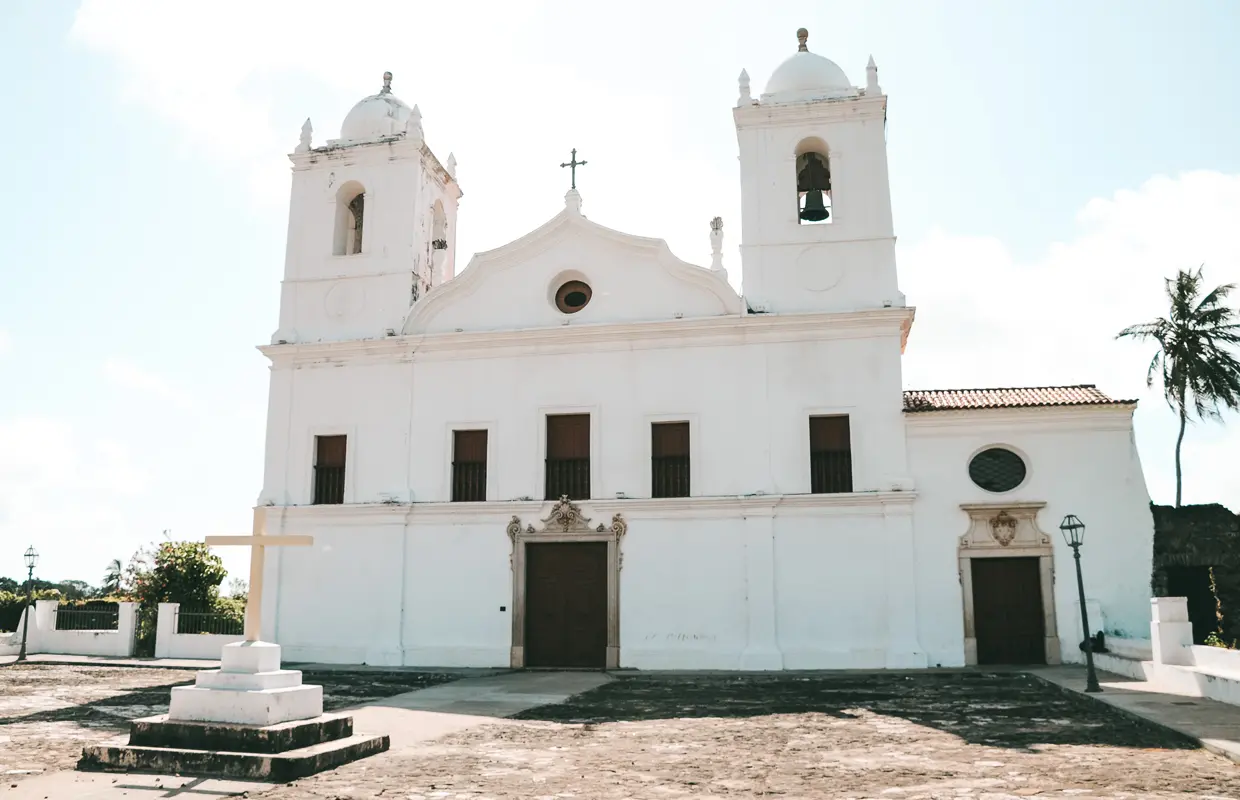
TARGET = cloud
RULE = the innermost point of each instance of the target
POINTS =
(130, 376)
(987, 319)
(71, 497)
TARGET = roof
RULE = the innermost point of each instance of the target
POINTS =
(1085, 394)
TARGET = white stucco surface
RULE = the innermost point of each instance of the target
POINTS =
(752, 570)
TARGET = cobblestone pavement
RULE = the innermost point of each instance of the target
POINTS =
(49, 711)
(797, 736)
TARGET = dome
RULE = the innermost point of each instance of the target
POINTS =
(805, 75)
(375, 117)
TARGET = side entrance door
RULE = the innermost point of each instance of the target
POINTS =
(1007, 611)
(566, 605)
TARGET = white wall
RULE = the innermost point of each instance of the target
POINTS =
(724, 583)
(399, 410)
(1080, 461)
(42, 636)
(170, 644)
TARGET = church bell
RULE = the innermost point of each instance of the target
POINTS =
(815, 210)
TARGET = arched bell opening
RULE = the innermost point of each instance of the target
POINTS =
(350, 213)
(813, 165)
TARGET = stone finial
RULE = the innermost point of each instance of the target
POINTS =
(387, 83)
(413, 125)
(871, 78)
(572, 201)
(303, 146)
(451, 165)
(716, 244)
(745, 98)
(802, 38)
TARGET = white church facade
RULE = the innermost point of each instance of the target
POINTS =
(581, 451)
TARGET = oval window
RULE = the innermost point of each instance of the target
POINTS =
(572, 296)
(997, 470)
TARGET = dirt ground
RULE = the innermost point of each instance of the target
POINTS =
(788, 736)
(48, 712)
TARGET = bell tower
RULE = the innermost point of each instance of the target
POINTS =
(372, 225)
(816, 232)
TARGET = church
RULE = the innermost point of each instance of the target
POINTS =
(580, 451)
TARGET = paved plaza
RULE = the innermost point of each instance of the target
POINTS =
(597, 737)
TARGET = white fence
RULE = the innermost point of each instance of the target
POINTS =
(42, 636)
(170, 644)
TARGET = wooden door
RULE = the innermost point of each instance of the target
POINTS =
(566, 605)
(1007, 611)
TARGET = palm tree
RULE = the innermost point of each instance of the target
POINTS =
(1199, 373)
(112, 577)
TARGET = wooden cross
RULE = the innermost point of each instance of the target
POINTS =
(574, 163)
(257, 542)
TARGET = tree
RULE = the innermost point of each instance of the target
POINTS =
(239, 588)
(180, 572)
(113, 577)
(1199, 373)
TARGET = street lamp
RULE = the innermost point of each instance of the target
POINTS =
(1074, 534)
(31, 557)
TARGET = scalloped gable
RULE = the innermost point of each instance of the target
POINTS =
(632, 278)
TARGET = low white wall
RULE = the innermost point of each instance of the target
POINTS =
(44, 638)
(1181, 667)
(170, 644)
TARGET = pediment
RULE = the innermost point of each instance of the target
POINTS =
(631, 279)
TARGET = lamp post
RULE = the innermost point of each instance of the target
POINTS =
(1074, 534)
(31, 557)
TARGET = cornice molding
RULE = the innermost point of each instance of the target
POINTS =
(373, 153)
(799, 113)
(500, 513)
(1116, 417)
(702, 331)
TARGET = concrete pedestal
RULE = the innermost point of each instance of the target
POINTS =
(247, 719)
(249, 688)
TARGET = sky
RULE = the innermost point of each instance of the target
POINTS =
(1051, 163)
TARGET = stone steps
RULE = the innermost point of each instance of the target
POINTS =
(257, 752)
(286, 766)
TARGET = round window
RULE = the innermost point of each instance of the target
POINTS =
(572, 296)
(997, 470)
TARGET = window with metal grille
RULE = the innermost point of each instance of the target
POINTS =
(469, 466)
(329, 459)
(997, 470)
(669, 459)
(830, 455)
(568, 456)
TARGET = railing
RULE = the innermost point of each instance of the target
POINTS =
(208, 622)
(669, 476)
(469, 481)
(100, 618)
(830, 472)
(328, 485)
(568, 476)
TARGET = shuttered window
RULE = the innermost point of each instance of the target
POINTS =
(329, 460)
(568, 456)
(669, 459)
(830, 455)
(469, 466)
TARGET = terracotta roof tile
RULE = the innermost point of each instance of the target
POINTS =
(1020, 397)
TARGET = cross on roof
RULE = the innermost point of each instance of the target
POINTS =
(573, 163)
(257, 542)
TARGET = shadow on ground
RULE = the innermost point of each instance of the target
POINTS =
(103, 697)
(1011, 710)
